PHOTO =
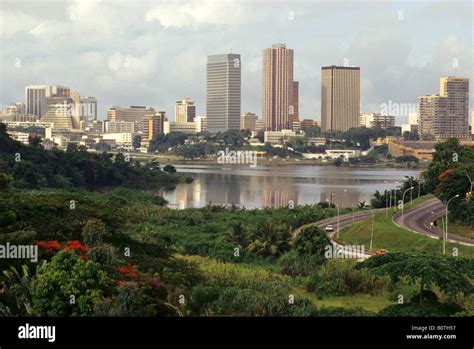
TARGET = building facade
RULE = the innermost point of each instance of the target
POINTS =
(184, 111)
(370, 120)
(36, 97)
(248, 121)
(446, 115)
(223, 92)
(340, 98)
(277, 88)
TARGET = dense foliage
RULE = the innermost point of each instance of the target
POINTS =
(34, 167)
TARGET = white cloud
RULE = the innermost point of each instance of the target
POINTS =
(182, 14)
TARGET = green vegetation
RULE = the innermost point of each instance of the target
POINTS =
(393, 238)
(121, 252)
(452, 173)
(33, 167)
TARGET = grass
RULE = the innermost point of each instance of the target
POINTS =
(366, 301)
(457, 229)
(389, 236)
(251, 275)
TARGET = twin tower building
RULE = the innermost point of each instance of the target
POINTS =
(340, 93)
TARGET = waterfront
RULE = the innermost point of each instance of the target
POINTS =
(276, 186)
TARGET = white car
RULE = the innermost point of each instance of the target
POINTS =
(329, 228)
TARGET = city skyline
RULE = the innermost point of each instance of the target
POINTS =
(397, 65)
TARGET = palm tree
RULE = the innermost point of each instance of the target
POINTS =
(270, 240)
(237, 234)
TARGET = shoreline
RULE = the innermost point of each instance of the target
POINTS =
(173, 159)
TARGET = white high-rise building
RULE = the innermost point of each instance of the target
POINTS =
(223, 92)
(36, 97)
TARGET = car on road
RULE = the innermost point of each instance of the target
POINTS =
(382, 251)
(329, 228)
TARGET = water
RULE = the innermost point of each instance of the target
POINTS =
(276, 186)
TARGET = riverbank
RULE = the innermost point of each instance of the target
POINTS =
(173, 159)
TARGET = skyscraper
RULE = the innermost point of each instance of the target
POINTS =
(184, 111)
(223, 92)
(340, 98)
(296, 101)
(36, 97)
(446, 114)
(277, 88)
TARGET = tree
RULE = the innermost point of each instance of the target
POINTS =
(311, 241)
(270, 240)
(137, 141)
(237, 234)
(447, 273)
(64, 276)
(311, 132)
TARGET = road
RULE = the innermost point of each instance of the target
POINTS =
(419, 218)
(344, 221)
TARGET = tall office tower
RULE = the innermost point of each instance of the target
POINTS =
(184, 111)
(340, 98)
(456, 89)
(36, 97)
(433, 111)
(223, 92)
(295, 101)
(446, 115)
(277, 87)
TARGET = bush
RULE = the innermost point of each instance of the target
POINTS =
(339, 278)
(94, 232)
(294, 264)
(64, 276)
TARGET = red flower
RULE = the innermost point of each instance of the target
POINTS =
(129, 270)
(71, 245)
(49, 245)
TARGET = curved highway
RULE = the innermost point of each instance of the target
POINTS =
(419, 219)
(344, 221)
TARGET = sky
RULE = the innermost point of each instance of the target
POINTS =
(154, 52)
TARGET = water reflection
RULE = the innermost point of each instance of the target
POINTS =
(276, 186)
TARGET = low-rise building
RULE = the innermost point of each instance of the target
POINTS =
(422, 150)
(278, 137)
(370, 120)
(123, 138)
(188, 127)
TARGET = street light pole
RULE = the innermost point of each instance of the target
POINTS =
(372, 229)
(337, 231)
(446, 224)
(403, 201)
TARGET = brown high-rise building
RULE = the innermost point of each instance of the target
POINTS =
(340, 98)
(277, 109)
(295, 101)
